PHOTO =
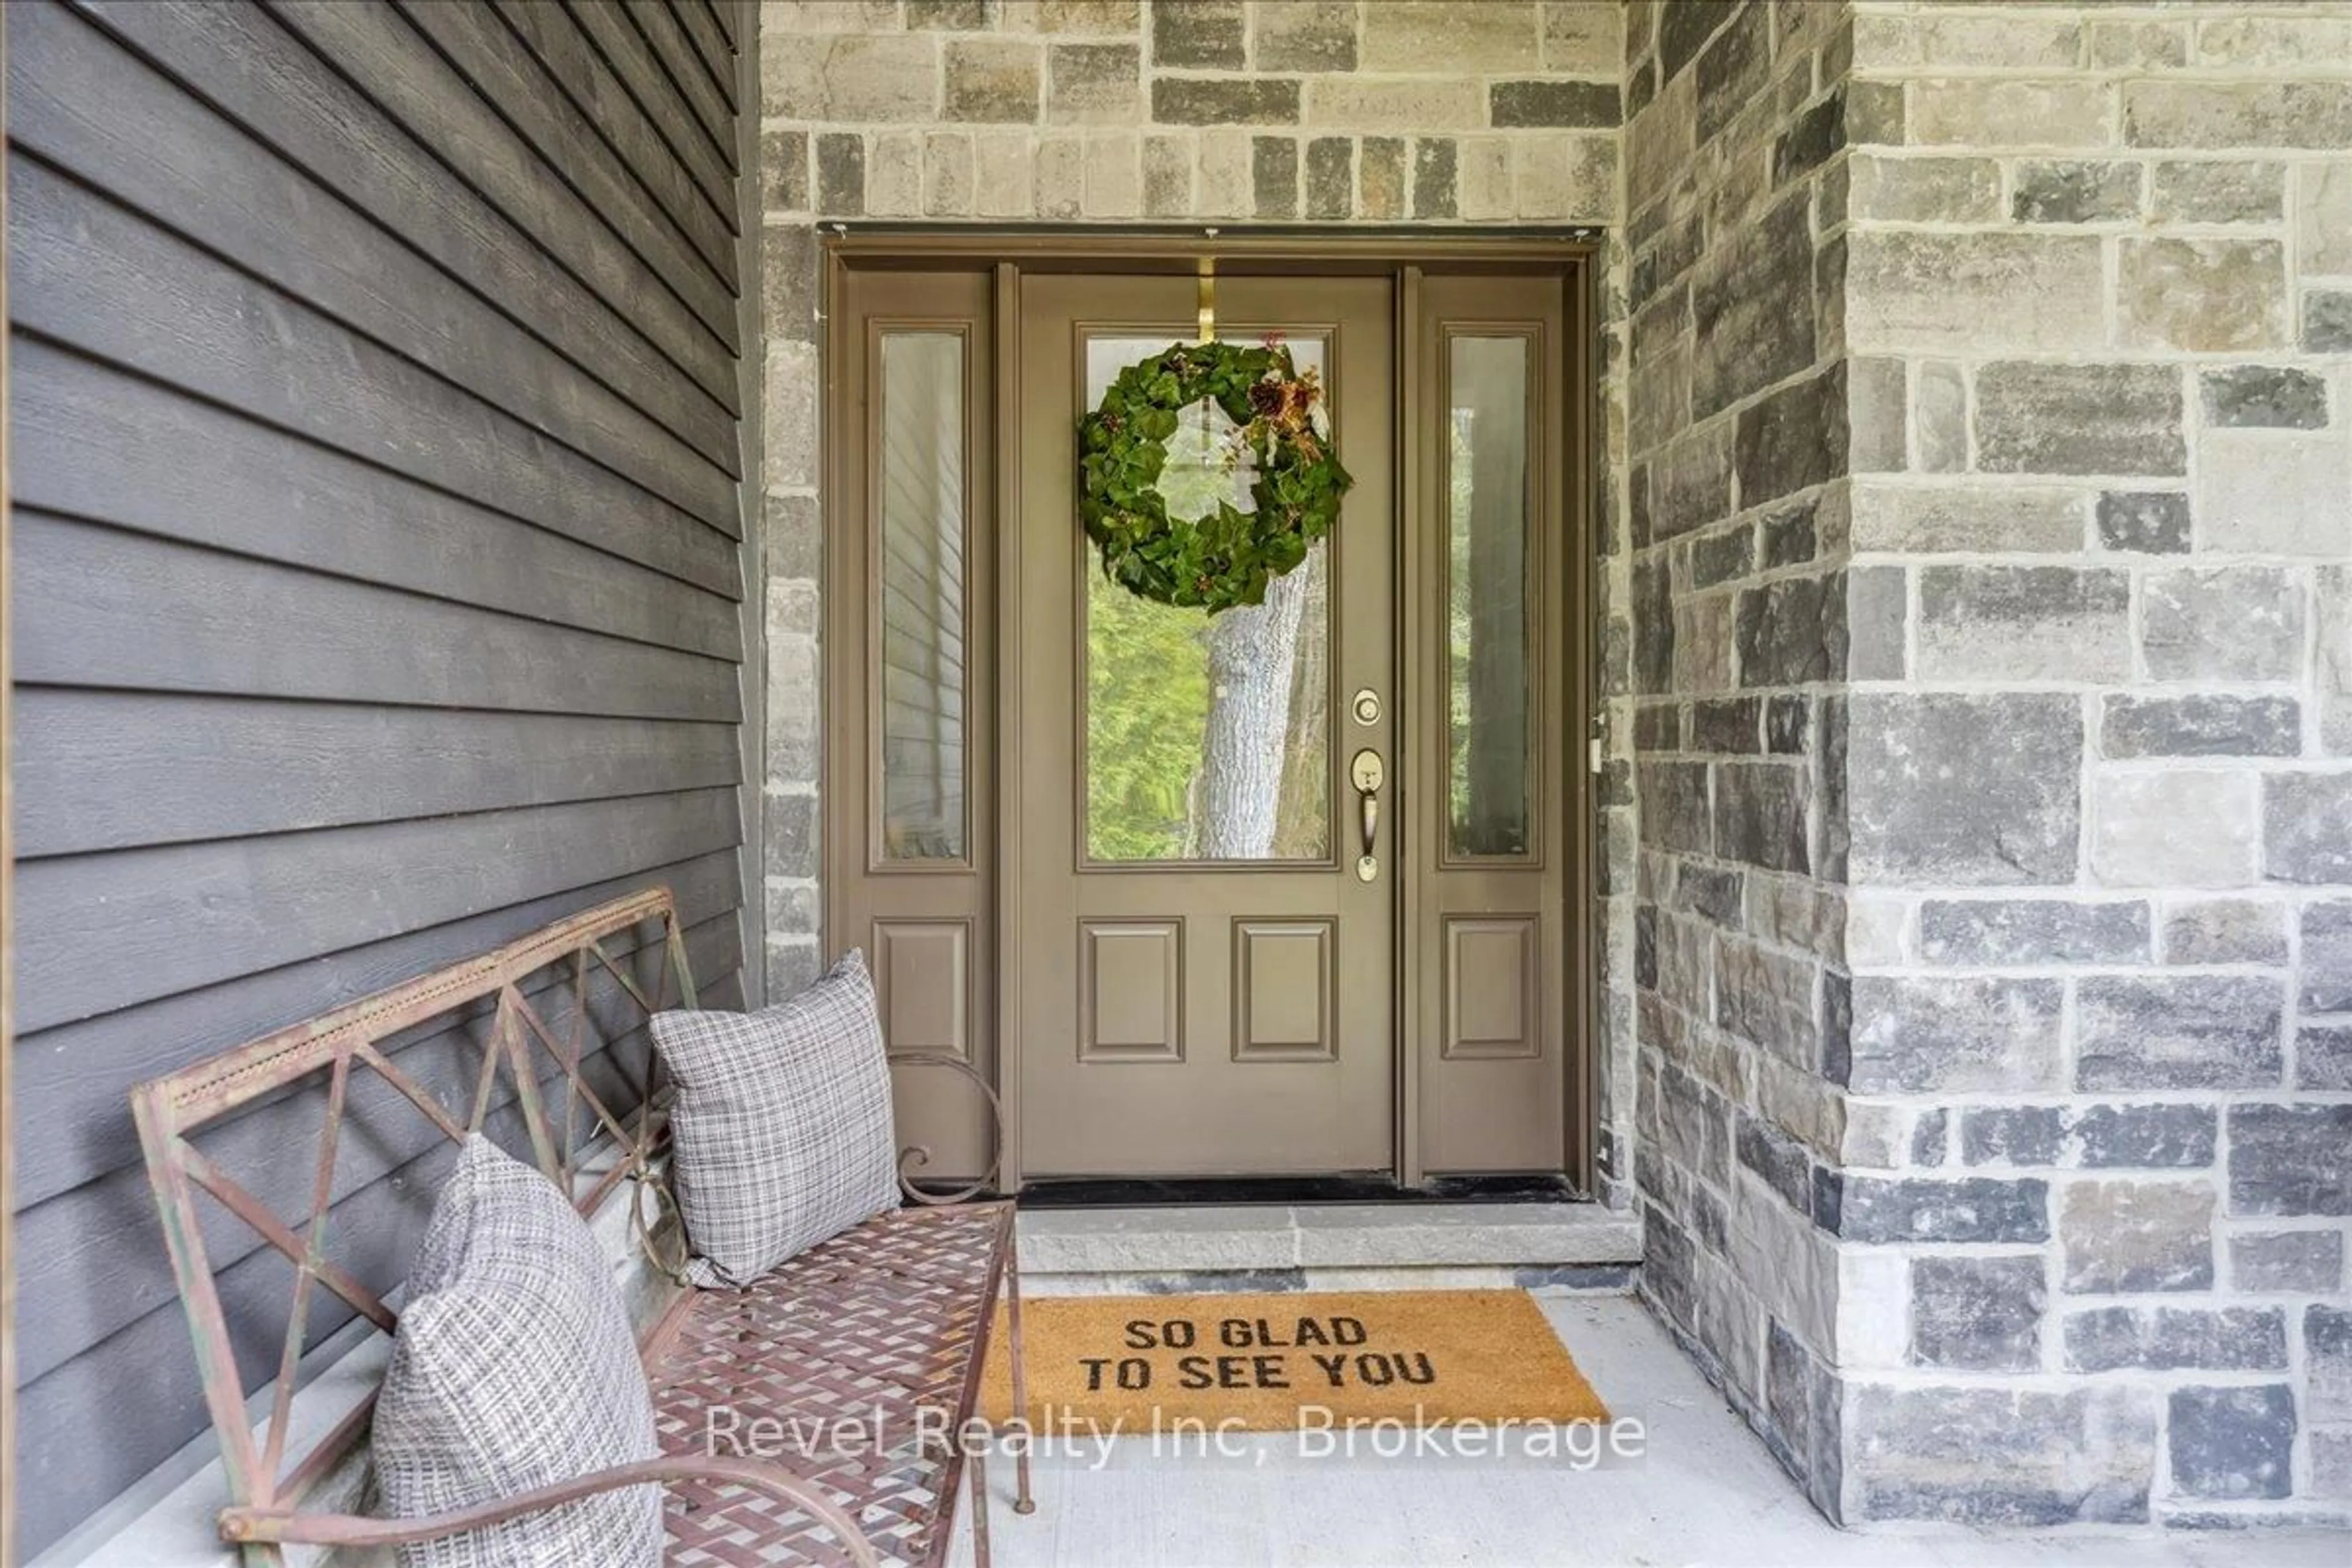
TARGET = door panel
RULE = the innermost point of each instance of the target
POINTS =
(1204, 983)
(1487, 689)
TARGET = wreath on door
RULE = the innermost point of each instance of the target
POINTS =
(1226, 556)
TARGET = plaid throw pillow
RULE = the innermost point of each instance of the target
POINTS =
(514, 1367)
(782, 1127)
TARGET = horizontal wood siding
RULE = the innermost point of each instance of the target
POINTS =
(376, 594)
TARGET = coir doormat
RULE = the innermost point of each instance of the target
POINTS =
(1270, 1363)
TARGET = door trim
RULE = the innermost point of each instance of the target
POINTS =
(1005, 254)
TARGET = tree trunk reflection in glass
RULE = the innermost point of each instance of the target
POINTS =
(1207, 737)
(1489, 693)
(922, 581)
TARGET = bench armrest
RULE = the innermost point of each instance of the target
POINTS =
(915, 1156)
(244, 1525)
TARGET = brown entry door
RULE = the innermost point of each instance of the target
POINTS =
(1203, 964)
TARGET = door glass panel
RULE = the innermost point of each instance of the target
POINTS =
(1207, 737)
(922, 489)
(1490, 689)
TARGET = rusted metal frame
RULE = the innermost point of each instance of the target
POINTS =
(1022, 1501)
(247, 1524)
(305, 1270)
(166, 1109)
(632, 1148)
(571, 1055)
(918, 1155)
(505, 1036)
(280, 1235)
(967, 1398)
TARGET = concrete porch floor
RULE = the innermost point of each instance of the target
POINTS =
(1705, 1493)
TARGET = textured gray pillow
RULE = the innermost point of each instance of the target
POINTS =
(781, 1125)
(514, 1367)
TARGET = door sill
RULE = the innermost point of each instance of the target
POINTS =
(1090, 1192)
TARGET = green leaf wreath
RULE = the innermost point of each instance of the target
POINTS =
(1227, 557)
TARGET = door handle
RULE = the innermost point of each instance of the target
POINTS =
(1366, 770)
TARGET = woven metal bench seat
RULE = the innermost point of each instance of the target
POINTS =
(881, 1331)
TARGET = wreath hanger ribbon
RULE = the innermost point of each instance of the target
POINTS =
(1208, 300)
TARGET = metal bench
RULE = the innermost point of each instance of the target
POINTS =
(888, 1324)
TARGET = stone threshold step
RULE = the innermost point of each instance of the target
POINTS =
(1312, 1240)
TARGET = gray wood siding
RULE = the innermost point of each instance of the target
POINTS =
(376, 592)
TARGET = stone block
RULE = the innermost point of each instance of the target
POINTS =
(2012, 1134)
(1076, 15)
(1559, 179)
(1208, 100)
(1957, 519)
(1114, 175)
(991, 79)
(2291, 1159)
(2001, 1456)
(1973, 292)
(947, 15)
(2206, 725)
(2262, 491)
(947, 175)
(1791, 533)
(1963, 790)
(2331, 1465)
(1767, 998)
(2296, 1262)
(1752, 309)
(1877, 611)
(2178, 1031)
(2024, 622)
(2146, 522)
(1923, 190)
(1380, 174)
(1305, 35)
(1717, 558)
(2138, 46)
(1094, 84)
(1004, 183)
(1886, 1209)
(2327, 321)
(1198, 34)
(783, 171)
(1878, 408)
(891, 78)
(2143, 1137)
(2225, 930)
(1780, 1162)
(2324, 217)
(1552, 104)
(2318, 38)
(840, 175)
(2129, 1237)
(2334, 672)
(1273, 177)
(894, 175)
(1977, 1314)
(2303, 838)
(1583, 36)
(1061, 176)
(2202, 295)
(1168, 164)
(2323, 1057)
(2173, 829)
(1690, 486)
(2264, 396)
(1471, 40)
(2218, 192)
(1398, 103)
(2232, 1443)
(1434, 193)
(1482, 178)
(2228, 115)
(1791, 631)
(2176, 1339)
(2222, 622)
(2000, 932)
(1811, 139)
(2327, 1360)
(1330, 177)
(2033, 418)
(1959, 1036)
(1792, 438)
(2075, 191)
(2004, 111)
(1675, 816)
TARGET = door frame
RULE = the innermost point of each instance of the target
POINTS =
(1005, 254)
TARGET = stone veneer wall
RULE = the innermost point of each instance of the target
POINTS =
(2064, 1082)
(1010, 111)
(1736, 622)
(2099, 1140)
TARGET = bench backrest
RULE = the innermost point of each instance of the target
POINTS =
(610, 968)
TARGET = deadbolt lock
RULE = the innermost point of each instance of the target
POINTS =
(1368, 706)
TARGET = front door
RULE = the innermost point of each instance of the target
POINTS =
(1206, 897)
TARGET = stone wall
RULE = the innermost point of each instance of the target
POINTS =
(2098, 302)
(1736, 622)
(1111, 112)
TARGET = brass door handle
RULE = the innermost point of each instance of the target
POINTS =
(1366, 770)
